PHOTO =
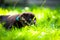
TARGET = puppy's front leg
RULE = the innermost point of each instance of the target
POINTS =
(8, 25)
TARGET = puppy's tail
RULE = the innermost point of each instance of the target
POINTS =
(3, 18)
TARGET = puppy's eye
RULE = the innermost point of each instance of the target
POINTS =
(29, 19)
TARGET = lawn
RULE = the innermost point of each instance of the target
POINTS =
(47, 24)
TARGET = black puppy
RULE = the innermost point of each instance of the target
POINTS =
(18, 20)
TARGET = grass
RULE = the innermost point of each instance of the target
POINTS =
(46, 28)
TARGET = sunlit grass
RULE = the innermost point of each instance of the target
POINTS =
(47, 26)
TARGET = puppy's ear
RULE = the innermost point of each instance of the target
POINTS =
(31, 15)
(24, 14)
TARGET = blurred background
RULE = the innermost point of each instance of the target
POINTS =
(24, 3)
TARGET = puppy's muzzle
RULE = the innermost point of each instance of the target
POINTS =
(30, 22)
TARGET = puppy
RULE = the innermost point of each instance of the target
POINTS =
(19, 20)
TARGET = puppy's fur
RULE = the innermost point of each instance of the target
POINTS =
(18, 20)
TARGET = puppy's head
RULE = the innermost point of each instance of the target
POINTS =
(28, 18)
